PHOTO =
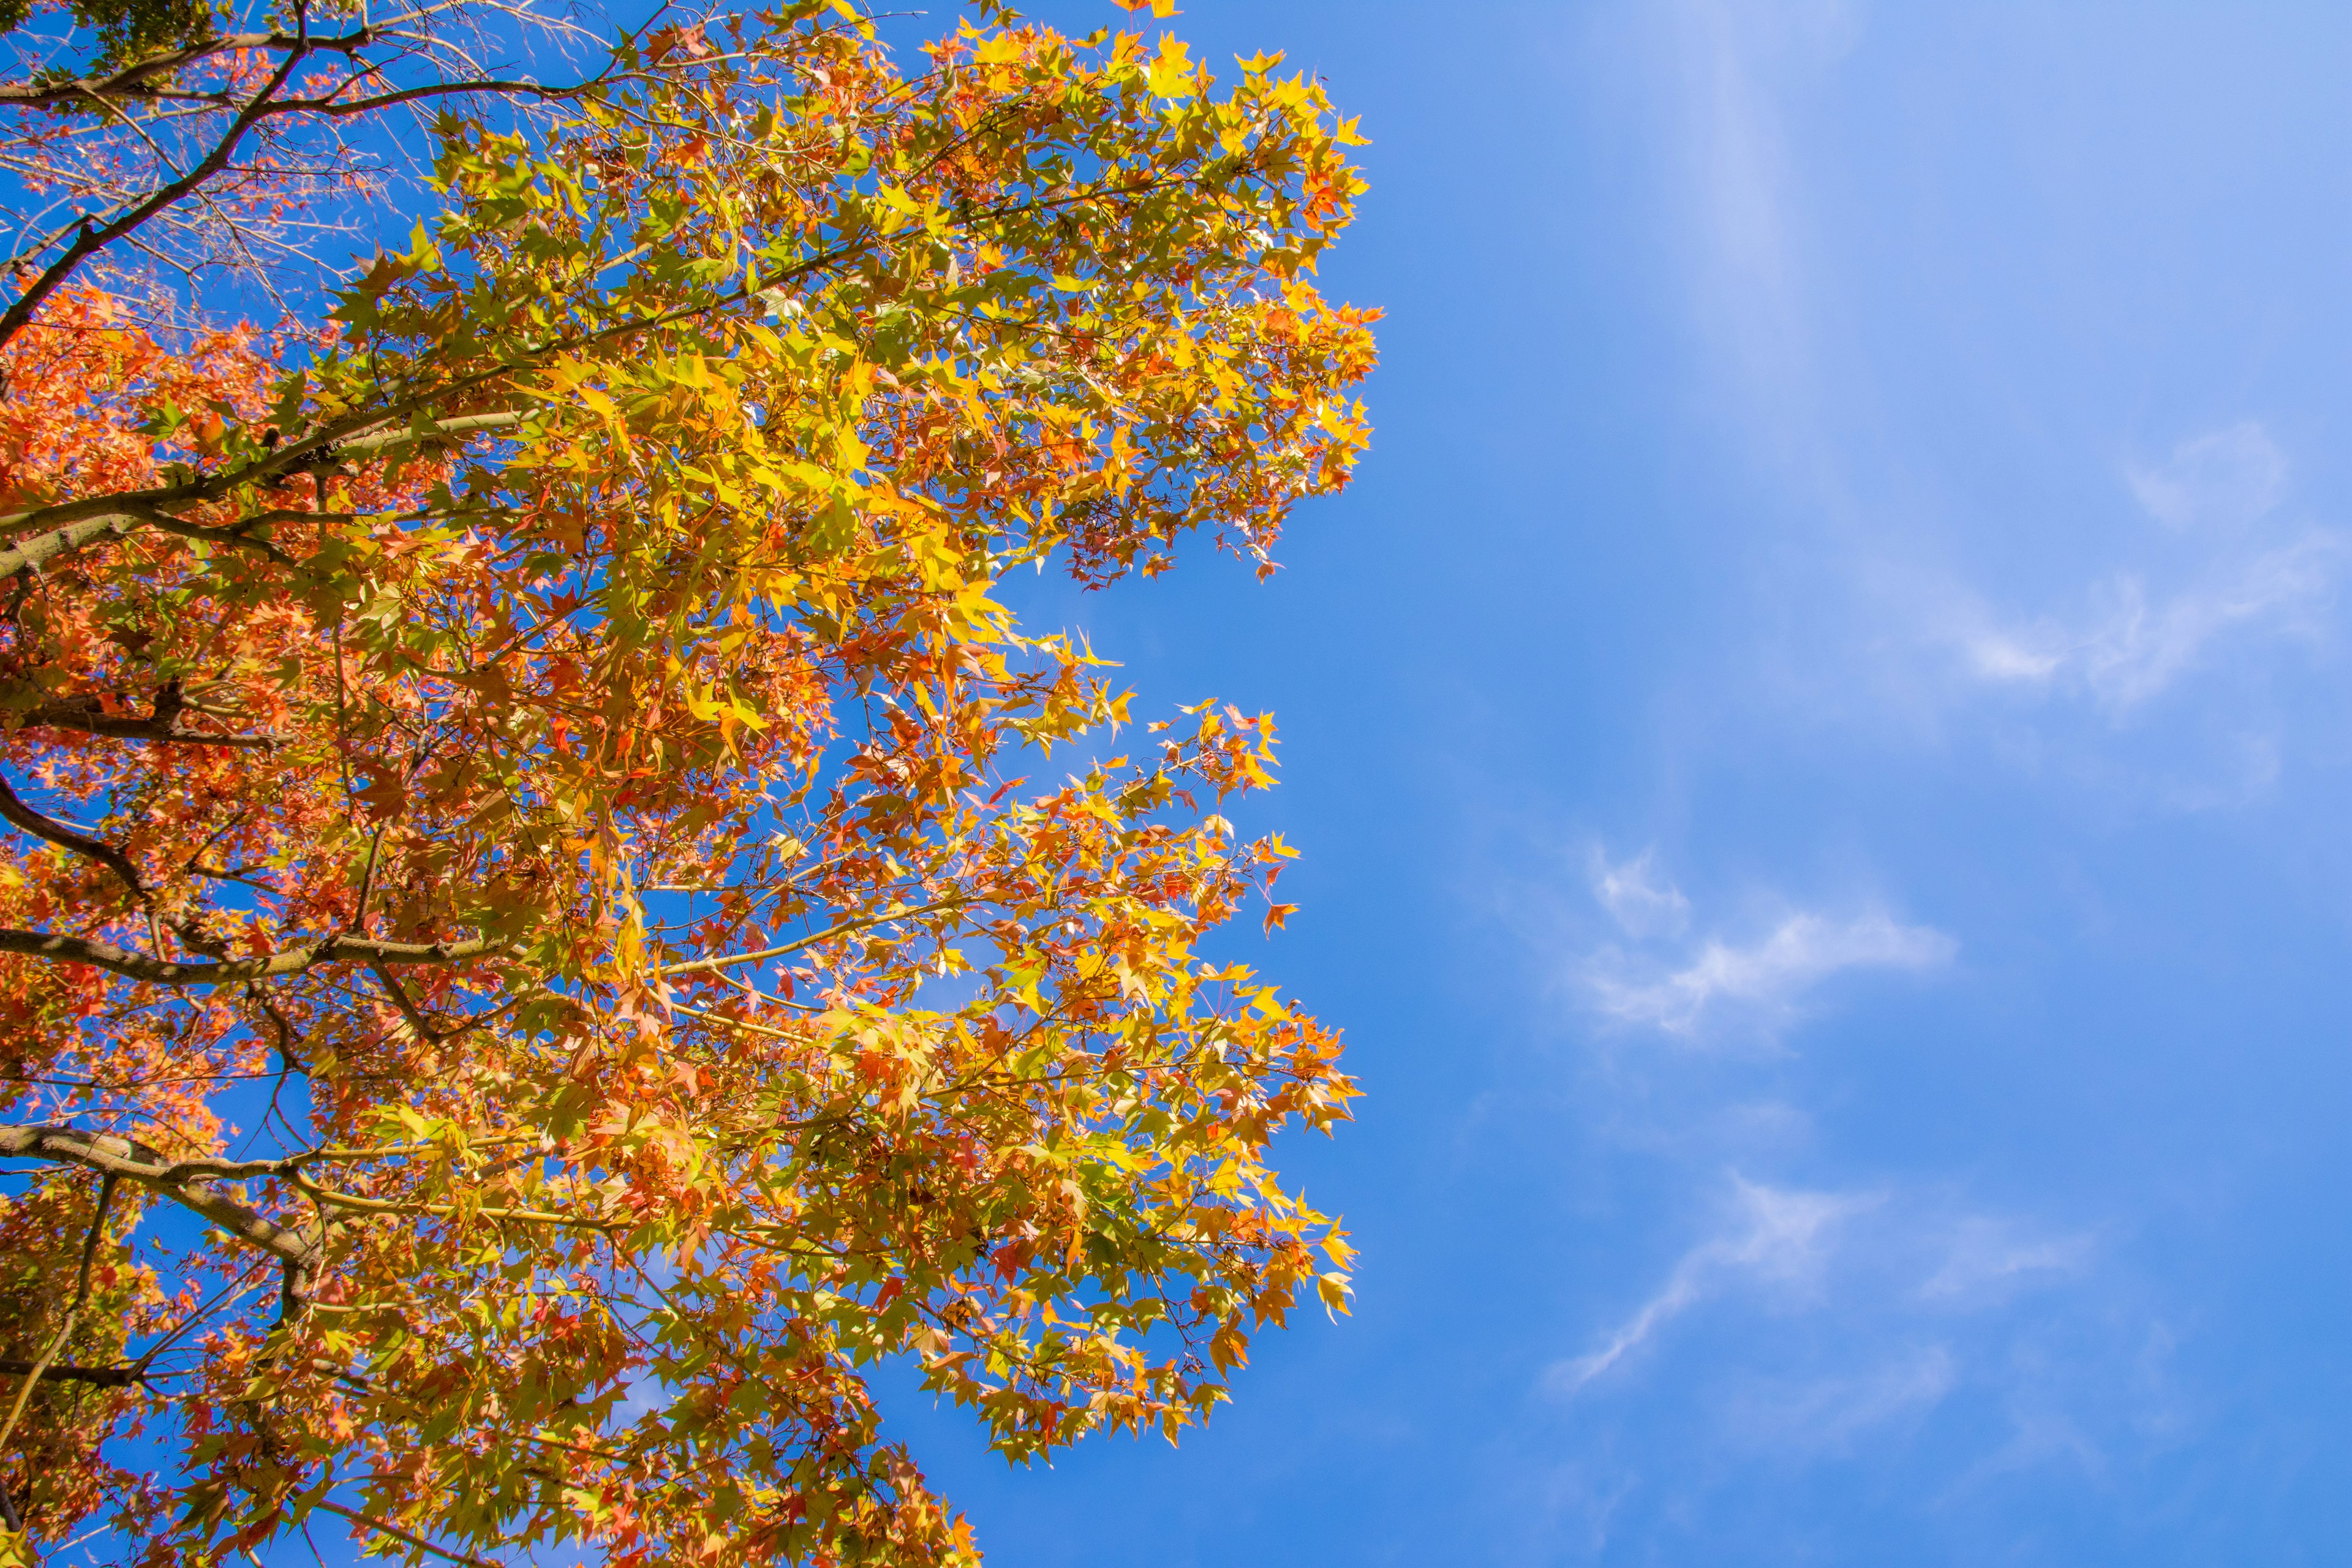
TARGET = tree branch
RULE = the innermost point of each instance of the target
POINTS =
(409, 1536)
(77, 522)
(117, 516)
(134, 80)
(94, 238)
(362, 1203)
(188, 1182)
(89, 716)
(38, 1370)
(18, 813)
(103, 954)
(69, 525)
(332, 108)
(705, 965)
(425, 1033)
(95, 1376)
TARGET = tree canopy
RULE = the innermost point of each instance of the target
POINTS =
(554, 918)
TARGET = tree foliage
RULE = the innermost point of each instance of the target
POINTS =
(554, 917)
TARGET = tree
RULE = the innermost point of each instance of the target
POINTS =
(555, 917)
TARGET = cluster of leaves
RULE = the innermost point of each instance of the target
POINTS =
(122, 31)
(539, 945)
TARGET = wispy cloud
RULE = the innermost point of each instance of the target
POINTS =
(1642, 901)
(2227, 478)
(1752, 285)
(1988, 1259)
(2131, 648)
(2248, 574)
(1775, 1235)
(1762, 980)
(1916, 1294)
(1744, 183)
(1813, 1415)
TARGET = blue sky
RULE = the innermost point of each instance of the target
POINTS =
(1819, 746)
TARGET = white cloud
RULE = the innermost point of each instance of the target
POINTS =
(2227, 478)
(2238, 571)
(2039, 1435)
(1740, 66)
(1882, 1303)
(1763, 981)
(1642, 902)
(1776, 1234)
(1828, 1414)
(1988, 1259)
(2131, 646)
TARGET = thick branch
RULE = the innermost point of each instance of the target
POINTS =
(40, 549)
(69, 525)
(425, 1033)
(118, 516)
(89, 716)
(187, 1182)
(18, 813)
(95, 1376)
(436, 430)
(136, 79)
(230, 972)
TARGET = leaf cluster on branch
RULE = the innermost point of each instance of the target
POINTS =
(552, 917)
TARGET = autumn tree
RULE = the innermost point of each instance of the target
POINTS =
(554, 918)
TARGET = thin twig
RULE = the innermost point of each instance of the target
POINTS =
(65, 1329)
(397, 1533)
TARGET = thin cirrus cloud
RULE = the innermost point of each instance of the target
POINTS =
(2227, 478)
(2219, 493)
(1777, 1236)
(1754, 280)
(2222, 491)
(1638, 898)
(1986, 1260)
(1731, 985)
(1830, 1413)
(1924, 1295)
(2131, 648)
